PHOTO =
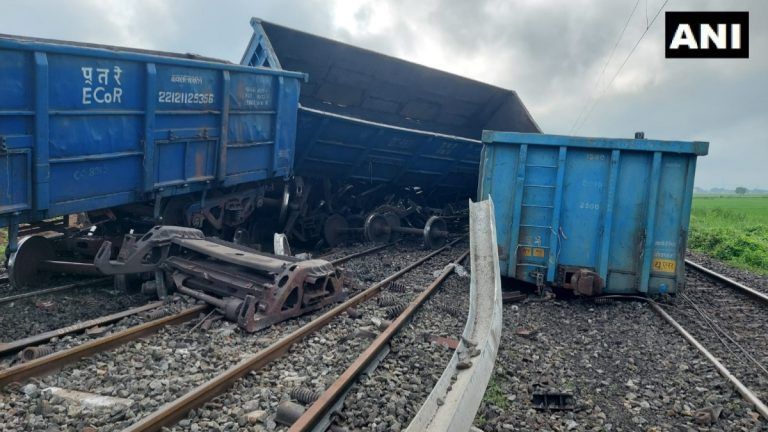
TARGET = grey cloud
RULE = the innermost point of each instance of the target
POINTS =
(549, 52)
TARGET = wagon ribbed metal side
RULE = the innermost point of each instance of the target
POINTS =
(591, 214)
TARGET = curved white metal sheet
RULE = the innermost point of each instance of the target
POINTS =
(454, 409)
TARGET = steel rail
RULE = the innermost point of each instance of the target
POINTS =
(745, 392)
(344, 259)
(173, 411)
(747, 290)
(328, 399)
(54, 289)
(77, 327)
(59, 359)
(720, 334)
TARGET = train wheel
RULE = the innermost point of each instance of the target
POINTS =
(335, 229)
(24, 265)
(434, 232)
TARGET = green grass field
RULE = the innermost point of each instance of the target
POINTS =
(731, 229)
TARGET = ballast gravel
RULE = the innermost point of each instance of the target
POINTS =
(746, 277)
(33, 315)
(316, 363)
(389, 397)
(627, 369)
(160, 368)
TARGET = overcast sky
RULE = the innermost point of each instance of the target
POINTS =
(551, 52)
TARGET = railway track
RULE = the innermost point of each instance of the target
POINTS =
(325, 365)
(728, 327)
(22, 294)
(47, 310)
(146, 312)
(387, 383)
(624, 368)
(320, 336)
(228, 347)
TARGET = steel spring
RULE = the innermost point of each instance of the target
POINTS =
(387, 300)
(397, 287)
(90, 302)
(451, 310)
(395, 311)
(32, 353)
(305, 395)
(155, 314)
(602, 300)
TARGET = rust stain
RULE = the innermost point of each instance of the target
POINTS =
(199, 164)
(447, 342)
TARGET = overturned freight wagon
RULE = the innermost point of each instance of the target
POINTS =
(595, 215)
(371, 119)
(134, 138)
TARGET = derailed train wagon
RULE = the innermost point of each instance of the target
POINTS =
(376, 119)
(86, 127)
(595, 215)
(142, 136)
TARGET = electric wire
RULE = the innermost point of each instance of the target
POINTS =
(605, 66)
(618, 71)
(717, 329)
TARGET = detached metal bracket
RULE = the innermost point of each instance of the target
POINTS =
(553, 401)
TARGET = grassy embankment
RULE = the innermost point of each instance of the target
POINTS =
(731, 229)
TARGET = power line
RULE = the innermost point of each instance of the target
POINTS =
(607, 61)
(626, 59)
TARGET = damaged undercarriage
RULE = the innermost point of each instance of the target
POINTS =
(252, 288)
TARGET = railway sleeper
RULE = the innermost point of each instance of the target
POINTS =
(252, 288)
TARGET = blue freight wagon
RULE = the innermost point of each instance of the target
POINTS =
(86, 127)
(591, 214)
(369, 117)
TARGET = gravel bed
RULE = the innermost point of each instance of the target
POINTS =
(342, 251)
(388, 398)
(172, 305)
(746, 277)
(155, 370)
(53, 281)
(6, 289)
(33, 315)
(627, 369)
(730, 316)
(316, 362)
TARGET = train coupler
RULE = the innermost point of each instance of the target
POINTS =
(252, 288)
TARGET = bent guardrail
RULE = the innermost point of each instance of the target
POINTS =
(451, 406)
